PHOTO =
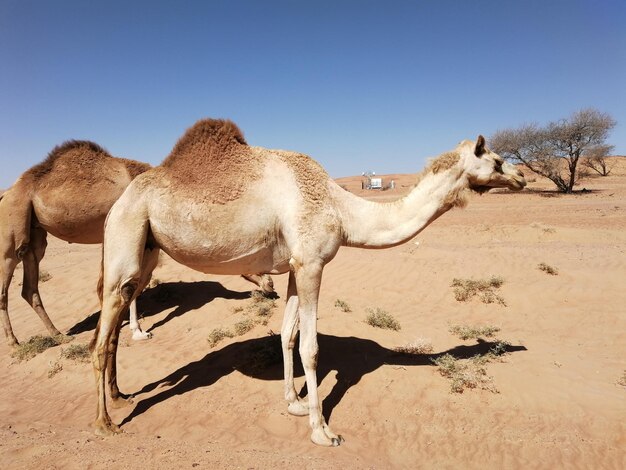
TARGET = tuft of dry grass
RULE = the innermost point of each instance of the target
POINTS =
(473, 332)
(217, 335)
(343, 306)
(465, 373)
(77, 352)
(380, 318)
(546, 268)
(44, 276)
(260, 305)
(622, 380)
(466, 289)
(419, 346)
(54, 369)
(36, 345)
(243, 326)
(265, 353)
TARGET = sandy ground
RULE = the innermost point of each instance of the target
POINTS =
(559, 404)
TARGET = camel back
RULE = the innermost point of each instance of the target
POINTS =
(212, 162)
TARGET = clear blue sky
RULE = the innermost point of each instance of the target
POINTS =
(358, 85)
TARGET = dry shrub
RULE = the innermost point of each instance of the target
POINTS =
(419, 346)
(44, 276)
(265, 353)
(217, 335)
(380, 318)
(36, 345)
(243, 326)
(473, 332)
(343, 306)
(77, 352)
(546, 268)
(54, 369)
(466, 289)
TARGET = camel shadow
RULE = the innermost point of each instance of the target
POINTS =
(184, 296)
(261, 358)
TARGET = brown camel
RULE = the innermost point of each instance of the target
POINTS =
(219, 206)
(69, 196)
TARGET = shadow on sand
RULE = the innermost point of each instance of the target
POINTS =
(185, 296)
(261, 358)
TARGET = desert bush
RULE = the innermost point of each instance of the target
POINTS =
(465, 373)
(36, 345)
(243, 326)
(343, 306)
(261, 305)
(380, 318)
(466, 289)
(265, 353)
(546, 268)
(77, 352)
(473, 332)
(217, 335)
(54, 369)
(419, 346)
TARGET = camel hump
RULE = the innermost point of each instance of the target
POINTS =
(207, 139)
(70, 148)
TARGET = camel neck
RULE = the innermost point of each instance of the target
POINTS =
(368, 224)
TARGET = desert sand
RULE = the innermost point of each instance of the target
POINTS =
(557, 401)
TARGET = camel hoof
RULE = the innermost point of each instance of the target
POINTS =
(298, 408)
(105, 430)
(141, 335)
(121, 402)
(320, 438)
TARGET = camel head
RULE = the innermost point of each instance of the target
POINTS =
(486, 169)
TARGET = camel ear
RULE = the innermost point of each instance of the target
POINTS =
(480, 146)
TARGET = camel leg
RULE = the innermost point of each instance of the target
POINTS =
(101, 349)
(149, 262)
(30, 286)
(308, 280)
(288, 334)
(7, 267)
(135, 329)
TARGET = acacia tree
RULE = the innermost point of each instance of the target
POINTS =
(597, 160)
(554, 150)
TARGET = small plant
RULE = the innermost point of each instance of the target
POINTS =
(343, 306)
(466, 289)
(548, 269)
(243, 326)
(44, 276)
(77, 352)
(54, 369)
(237, 309)
(622, 380)
(465, 373)
(261, 305)
(419, 346)
(380, 318)
(473, 332)
(217, 335)
(36, 345)
(265, 353)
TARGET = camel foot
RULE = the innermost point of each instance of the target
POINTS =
(139, 335)
(121, 402)
(320, 438)
(106, 429)
(298, 408)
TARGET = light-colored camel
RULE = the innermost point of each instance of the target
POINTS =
(67, 195)
(219, 206)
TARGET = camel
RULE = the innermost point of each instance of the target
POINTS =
(220, 206)
(67, 195)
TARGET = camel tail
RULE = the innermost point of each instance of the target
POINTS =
(100, 288)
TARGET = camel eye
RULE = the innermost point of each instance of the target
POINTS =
(498, 165)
